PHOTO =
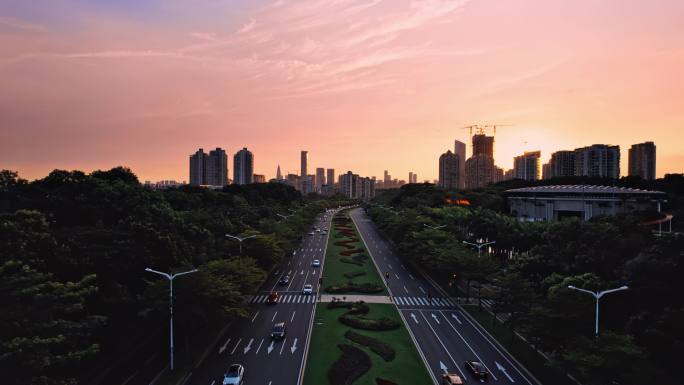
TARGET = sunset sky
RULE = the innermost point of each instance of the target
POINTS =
(362, 85)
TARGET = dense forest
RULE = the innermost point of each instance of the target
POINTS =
(530, 267)
(76, 300)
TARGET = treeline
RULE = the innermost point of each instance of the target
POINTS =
(532, 264)
(73, 248)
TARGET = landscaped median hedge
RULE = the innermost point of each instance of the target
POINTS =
(354, 274)
(352, 364)
(351, 287)
(355, 317)
(380, 348)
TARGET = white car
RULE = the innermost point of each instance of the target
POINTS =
(311, 233)
(316, 263)
(308, 289)
(234, 375)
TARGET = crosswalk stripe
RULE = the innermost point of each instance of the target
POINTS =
(422, 301)
(439, 302)
(444, 300)
(398, 300)
(299, 298)
(448, 301)
(288, 298)
(408, 300)
(259, 299)
(414, 299)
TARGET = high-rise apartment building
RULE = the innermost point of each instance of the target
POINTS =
(243, 167)
(642, 160)
(209, 169)
(562, 164)
(483, 145)
(526, 166)
(546, 171)
(598, 160)
(320, 178)
(259, 178)
(449, 171)
(304, 160)
(356, 187)
(330, 178)
(410, 179)
(460, 150)
(387, 178)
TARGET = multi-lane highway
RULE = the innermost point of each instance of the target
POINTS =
(444, 335)
(247, 341)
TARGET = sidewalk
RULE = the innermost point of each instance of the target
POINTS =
(356, 298)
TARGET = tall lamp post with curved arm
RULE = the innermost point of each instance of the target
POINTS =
(170, 277)
(434, 227)
(479, 245)
(597, 295)
(240, 239)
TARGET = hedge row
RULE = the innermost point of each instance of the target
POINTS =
(354, 274)
(351, 261)
(378, 347)
(366, 288)
(359, 322)
(352, 364)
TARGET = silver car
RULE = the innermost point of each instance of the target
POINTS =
(234, 375)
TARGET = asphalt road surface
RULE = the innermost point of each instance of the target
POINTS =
(247, 342)
(445, 337)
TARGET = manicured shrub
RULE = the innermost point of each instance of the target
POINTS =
(359, 322)
(351, 287)
(382, 381)
(378, 347)
(351, 261)
(354, 274)
(352, 364)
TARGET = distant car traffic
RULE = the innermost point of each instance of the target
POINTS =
(273, 298)
(279, 331)
(311, 233)
(452, 379)
(284, 280)
(234, 375)
(308, 289)
(477, 369)
(316, 263)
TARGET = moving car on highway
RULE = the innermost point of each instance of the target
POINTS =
(273, 298)
(452, 379)
(284, 280)
(477, 369)
(279, 331)
(316, 263)
(308, 289)
(234, 375)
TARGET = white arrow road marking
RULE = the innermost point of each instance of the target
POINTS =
(314, 272)
(260, 343)
(248, 347)
(443, 367)
(236, 345)
(274, 315)
(294, 346)
(469, 347)
(270, 347)
(414, 317)
(454, 316)
(292, 319)
(281, 347)
(434, 317)
(213, 382)
(442, 343)
(421, 289)
(223, 348)
(302, 273)
(255, 315)
(503, 370)
(406, 289)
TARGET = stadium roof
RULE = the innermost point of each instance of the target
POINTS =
(583, 189)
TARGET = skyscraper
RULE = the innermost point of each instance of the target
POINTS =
(460, 150)
(320, 178)
(562, 164)
(330, 178)
(387, 178)
(642, 160)
(279, 175)
(259, 178)
(304, 160)
(526, 166)
(415, 178)
(410, 179)
(209, 169)
(483, 144)
(243, 167)
(449, 171)
(598, 160)
(197, 171)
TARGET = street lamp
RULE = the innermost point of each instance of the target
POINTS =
(240, 239)
(284, 216)
(479, 245)
(170, 277)
(434, 227)
(597, 295)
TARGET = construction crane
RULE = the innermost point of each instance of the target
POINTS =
(482, 129)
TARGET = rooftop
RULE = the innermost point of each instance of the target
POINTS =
(583, 189)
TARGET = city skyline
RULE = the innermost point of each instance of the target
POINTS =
(125, 84)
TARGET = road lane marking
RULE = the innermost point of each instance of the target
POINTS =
(443, 346)
(236, 345)
(435, 318)
(223, 348)
(405, 289)
(257, 351)
(468, 345)
(421, 289)
(248, 347)
(404, 267)
(274, 315)
(395, 274)
(294, 346)
(281, 348)
(293, 314)
(390, 266)
(255, 315)
(270, 347)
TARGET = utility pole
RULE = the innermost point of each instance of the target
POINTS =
(170, 277)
